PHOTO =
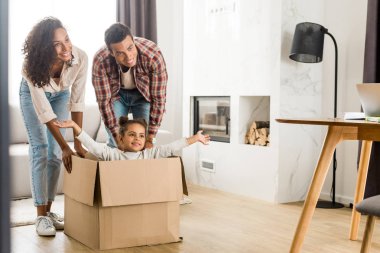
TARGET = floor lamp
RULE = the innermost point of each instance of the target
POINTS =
(307, 47)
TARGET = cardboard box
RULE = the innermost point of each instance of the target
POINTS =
(117, 204)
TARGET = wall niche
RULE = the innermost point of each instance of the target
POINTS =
(254, 120)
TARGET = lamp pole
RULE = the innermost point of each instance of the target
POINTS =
(336, 74)
(333, 203)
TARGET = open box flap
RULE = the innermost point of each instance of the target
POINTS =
(80, 183)
(131, 182)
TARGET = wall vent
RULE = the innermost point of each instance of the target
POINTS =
(207, 165)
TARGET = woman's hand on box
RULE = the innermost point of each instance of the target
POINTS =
(66, 158)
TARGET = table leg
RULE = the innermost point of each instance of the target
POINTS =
(360, 187)
(333, 137)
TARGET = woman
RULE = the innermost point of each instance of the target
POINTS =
(52, 66)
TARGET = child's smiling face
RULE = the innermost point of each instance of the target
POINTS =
(134, 138)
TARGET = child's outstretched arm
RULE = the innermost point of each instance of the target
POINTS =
(171, 148)
(100, 150)
(69, 124)
(199, 137)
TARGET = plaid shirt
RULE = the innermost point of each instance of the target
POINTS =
(150, 79)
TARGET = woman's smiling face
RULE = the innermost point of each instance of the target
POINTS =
(62, 45)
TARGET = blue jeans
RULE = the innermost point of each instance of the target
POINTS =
(130, 101)
(45, 155)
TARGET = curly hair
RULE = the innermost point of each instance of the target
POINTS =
(39, 51)
(124, 122)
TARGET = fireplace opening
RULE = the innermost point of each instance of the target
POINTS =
(212, 115)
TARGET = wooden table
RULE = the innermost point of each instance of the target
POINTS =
(338, 130)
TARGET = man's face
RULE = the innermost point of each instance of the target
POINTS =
(125, 52)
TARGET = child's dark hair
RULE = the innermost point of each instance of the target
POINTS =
(124, 122)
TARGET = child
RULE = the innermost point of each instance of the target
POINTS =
(131, 142)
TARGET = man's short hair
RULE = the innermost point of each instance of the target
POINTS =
(116, 33)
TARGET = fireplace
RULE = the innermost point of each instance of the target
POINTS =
(212, 115)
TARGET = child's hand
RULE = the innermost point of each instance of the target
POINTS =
(64, 124)
(203, 138)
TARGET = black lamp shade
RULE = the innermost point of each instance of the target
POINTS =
(307, 43)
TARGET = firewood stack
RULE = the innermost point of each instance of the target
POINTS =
(258, 133)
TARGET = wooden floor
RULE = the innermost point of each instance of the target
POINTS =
(221, 222)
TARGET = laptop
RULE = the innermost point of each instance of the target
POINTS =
(369, 94)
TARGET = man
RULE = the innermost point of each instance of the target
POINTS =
(129, 75)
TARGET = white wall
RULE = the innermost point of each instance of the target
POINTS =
(238, 54)
(233, 53)
(313, 91)
(170, 41)
(350, 37)
(301, 96)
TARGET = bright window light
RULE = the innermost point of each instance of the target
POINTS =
(85, 21)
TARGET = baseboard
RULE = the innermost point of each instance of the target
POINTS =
(345, 200)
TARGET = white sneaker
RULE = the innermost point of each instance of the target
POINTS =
(56, 219)
(185, 200)
(44, 226)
